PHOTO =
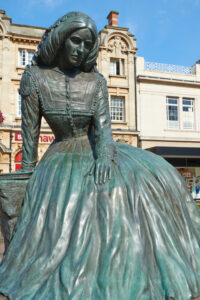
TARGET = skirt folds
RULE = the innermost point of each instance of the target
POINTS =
(135, 237)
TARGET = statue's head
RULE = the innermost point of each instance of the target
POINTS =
(71, 41)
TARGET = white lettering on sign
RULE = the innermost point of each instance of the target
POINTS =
(42, 138)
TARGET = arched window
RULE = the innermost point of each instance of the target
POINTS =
(18, 160)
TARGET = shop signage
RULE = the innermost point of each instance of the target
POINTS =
(42, 138)
(187, 174)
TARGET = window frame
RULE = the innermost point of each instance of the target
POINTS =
(123, 120)
(168, 112)
(120, 67)
(27, 60)
(180, 112)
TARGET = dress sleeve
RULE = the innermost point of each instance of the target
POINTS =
(31, 120)
(104, 145)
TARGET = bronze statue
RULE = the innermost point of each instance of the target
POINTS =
(100, 220)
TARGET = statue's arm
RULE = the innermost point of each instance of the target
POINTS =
(31, 121)
(104, 145)
(102, 124)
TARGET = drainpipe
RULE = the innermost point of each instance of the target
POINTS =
(10, 154)
(136, 116)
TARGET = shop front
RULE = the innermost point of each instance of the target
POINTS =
(45, 139)
(187, 161)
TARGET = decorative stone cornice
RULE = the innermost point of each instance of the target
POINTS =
(168, 81)
(116, 28)
(24, 39)
(21, 39)
(4, 148)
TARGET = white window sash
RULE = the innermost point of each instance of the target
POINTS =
(117, 109)
(113, 68)
(188, 116)
(25, 57)
(172, 124)
(121, 67)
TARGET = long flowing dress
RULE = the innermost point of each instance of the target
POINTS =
(136, 237)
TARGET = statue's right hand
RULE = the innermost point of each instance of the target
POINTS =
(102, 170)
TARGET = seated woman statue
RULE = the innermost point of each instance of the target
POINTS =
(100, 220)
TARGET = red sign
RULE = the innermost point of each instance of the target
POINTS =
(42, 138)
(18, 137)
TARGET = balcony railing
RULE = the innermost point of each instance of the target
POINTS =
(154, 66)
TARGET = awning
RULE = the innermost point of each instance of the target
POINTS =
(179, 156)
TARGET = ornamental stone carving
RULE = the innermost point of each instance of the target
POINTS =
(105, 56)
(125, 139)
(118, 45)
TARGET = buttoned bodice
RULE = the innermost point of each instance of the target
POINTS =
(74, 104)
(67, 99)
(57, 86)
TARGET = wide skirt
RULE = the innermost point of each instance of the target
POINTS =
(136, 237)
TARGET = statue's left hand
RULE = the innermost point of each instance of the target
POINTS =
(102, 170)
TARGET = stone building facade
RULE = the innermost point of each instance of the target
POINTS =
(116, 61)
(17, 45)
(168, 98)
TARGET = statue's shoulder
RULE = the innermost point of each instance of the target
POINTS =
(102, 84)
(28, 81)
(101, 87)
(100, 78)
(30, 71)
(26, 84)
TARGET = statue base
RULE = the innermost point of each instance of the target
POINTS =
(12, 190)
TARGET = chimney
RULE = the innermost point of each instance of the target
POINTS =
(113, 18)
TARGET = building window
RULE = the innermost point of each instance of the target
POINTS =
(116, 67)
(184, 119)
(19, 105)
(117, 109)
(25, 57)
(188, 113)
(172, 113)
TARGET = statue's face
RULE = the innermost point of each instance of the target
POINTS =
(76, 48)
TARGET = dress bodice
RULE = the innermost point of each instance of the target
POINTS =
(56, 86)
(67, 100)
(71, 103)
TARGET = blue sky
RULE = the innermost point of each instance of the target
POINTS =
(167, 31)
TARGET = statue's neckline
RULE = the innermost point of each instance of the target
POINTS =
(66, 72)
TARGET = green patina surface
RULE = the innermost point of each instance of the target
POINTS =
(96, 220)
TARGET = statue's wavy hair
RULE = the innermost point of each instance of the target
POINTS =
(54, 37)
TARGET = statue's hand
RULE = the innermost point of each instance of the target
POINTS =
(102, 170)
